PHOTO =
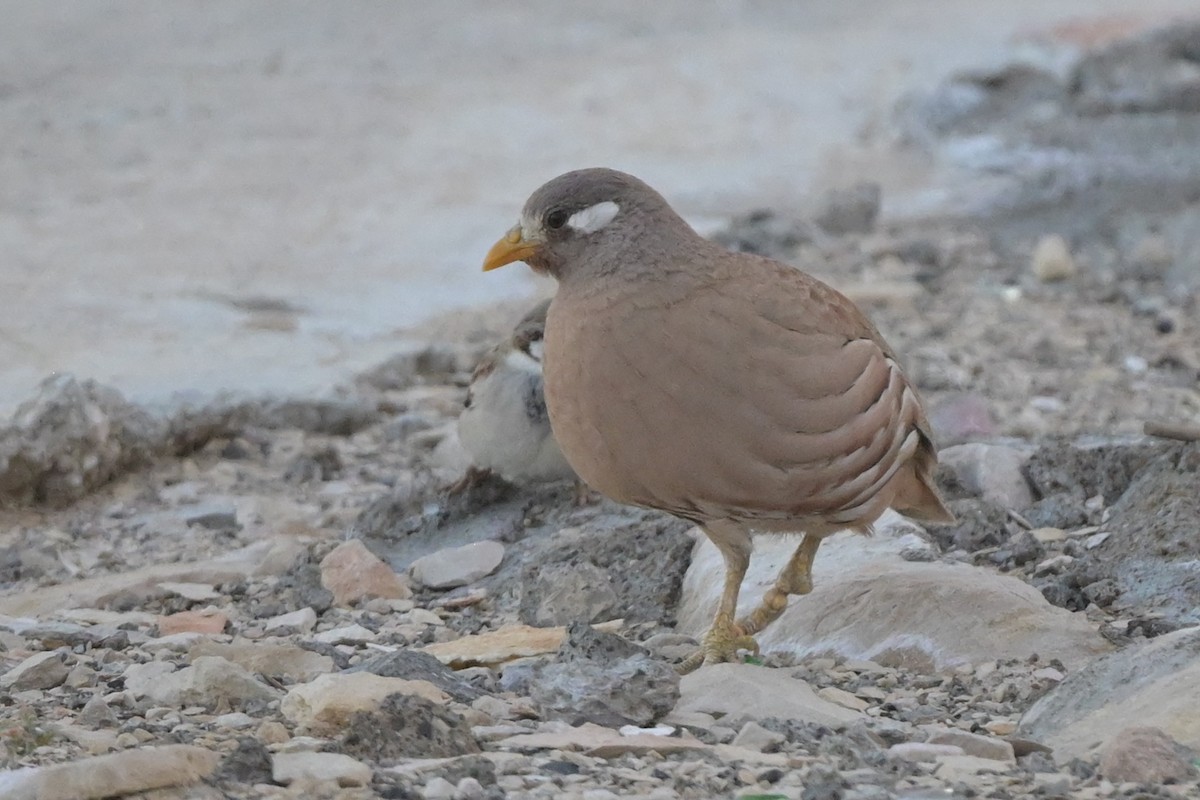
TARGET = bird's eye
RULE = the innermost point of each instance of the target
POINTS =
(556, 219)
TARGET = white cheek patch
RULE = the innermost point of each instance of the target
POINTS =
(593, 218)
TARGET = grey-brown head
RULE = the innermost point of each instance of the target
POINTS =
(589, 220)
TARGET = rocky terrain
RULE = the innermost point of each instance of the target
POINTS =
(279, 598)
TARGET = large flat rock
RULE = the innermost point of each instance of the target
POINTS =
(870, 603)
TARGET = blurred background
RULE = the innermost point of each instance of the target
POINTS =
(270, 196)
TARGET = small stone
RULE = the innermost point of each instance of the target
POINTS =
(1001, 727)
(438, 788)
(1052, 259)
(287, 768)
(1048, 674)
(1048, 535)
(196, 592)
(353, 573)
(753, 736)
(80, 677)
(97, 714)
(850, 210)
(214, 517)
(235, 721)
(272, 732)
(921, 751)
(962, 769)
(44, 670)
(469, 789)
(302, 620)
(275, 660)
(990, 471)
(507, 643)
(347, 634)
(207, 621)
(973, 744)
(843, 698)
(457, 566)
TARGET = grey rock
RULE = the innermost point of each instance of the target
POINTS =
(40, 671)
(744, 691)
(407, 726)
(458, 566)
(559, 594)
(415, 665)
(212, 516)
(753, 736)
(1157, 683)
(70, 439)
(1146, 755)
(97, 714)
(602, 678)
(212, 682)
(338, 768)
(973, 744)
(851, 210)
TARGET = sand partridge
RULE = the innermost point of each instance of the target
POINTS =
(725, 388)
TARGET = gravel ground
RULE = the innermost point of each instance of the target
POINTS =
(223, 601)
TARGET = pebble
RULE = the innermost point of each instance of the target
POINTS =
(1052, 261)
(843, 698)
(921, 751)
(457, 566)
(301, 620)
(206, 621)
(352, 573)
(347, 634)
(973, 744)
(753, 736)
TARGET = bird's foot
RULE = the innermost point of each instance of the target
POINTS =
(473, 477)
(583, 496)
(720, 645)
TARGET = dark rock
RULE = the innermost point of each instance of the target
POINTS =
(1023, 548)
(1063, 510)
(322, 464)
(297, 587)
(249, 763)
(213, 517)
(1085, 470)
(407, 726)
(415, 665)
(1153, 73)
(851, 210)
(765, 233)
(980, 524)
(603, 678)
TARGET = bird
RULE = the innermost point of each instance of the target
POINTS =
(503, 424)
(727, 389)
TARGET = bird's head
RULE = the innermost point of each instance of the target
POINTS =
(586, 221)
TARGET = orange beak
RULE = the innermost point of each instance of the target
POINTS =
(512, 247)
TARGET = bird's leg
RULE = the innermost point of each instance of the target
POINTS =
(725, 638)
(470, 479)
(794, 578)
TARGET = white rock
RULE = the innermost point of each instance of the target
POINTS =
(843, 698)
(920, 751)
(438, 788)
(972, 744)
(347, 634)
(117, 774)
(457, 566)
(234, 721)
(302, 620)
(286, 768)
(210, 682)
(755, 692)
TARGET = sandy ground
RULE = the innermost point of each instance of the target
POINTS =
(223, 195)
